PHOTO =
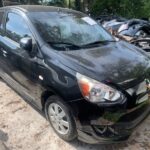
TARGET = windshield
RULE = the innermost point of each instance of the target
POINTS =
(69, 27)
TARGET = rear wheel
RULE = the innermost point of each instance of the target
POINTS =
(61, 118)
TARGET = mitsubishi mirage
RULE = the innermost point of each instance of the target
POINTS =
(83, 81)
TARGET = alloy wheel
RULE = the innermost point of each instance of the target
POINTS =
(58, 118)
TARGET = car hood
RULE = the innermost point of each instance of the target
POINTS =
(117, 62)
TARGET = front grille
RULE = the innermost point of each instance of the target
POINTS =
(111, 131)
(138, 89)
(131, 82)
(139, 92)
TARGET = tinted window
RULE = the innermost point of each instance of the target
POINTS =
(16, 27)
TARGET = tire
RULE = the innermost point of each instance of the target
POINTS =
(68, 132)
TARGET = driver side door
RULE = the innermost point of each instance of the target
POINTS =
(22, 68)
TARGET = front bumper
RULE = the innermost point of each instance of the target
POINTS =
(113, 127)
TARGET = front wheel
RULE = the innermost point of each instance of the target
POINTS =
(61, 119)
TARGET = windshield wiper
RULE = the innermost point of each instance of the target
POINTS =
(98, 42)
(65, 43)
(69, 45)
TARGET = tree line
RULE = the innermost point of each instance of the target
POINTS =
(125, 8)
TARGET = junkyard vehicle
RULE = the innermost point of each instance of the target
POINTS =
(135, 27)
(102, 19)
(134, 31)
(88, 85)
(138, 31)
(143, 43)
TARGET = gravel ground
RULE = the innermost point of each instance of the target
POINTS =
(22, 128)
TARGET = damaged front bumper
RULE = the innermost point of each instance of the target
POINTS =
(113, 127)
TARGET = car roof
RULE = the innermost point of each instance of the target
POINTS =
(38, 8)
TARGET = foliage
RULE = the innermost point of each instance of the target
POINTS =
(147, 8)
(125, 8)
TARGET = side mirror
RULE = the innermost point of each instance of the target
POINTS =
(26, 44)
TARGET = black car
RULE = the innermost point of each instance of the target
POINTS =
(71, 70)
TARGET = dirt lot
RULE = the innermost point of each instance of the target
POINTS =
(22, 128)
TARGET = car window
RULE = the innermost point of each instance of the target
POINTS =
(16, 27)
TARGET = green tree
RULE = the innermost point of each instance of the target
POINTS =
(147, 8)
(126, 8)
(78, 4)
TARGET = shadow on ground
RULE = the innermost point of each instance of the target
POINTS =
(3, 138)
(82, 146)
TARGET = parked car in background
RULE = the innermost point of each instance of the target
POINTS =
(88, 85)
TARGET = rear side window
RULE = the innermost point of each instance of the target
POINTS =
(16, 27)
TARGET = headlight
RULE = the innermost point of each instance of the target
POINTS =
(95, 91)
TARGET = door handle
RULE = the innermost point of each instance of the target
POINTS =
(4, 52)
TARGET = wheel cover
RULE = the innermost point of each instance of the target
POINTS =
(58, 118)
